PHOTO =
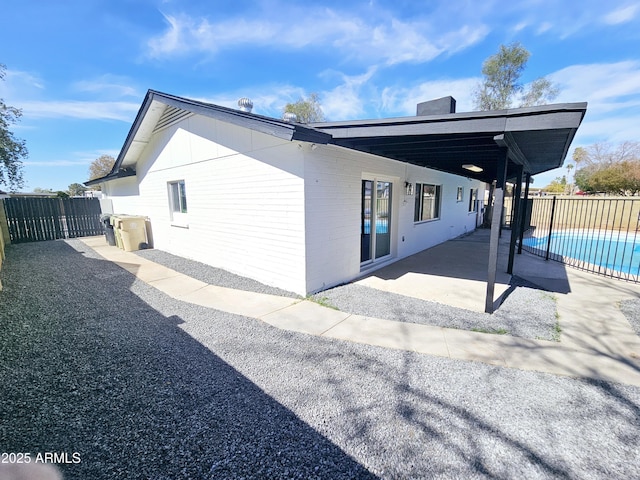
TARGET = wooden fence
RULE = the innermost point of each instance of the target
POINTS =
(36, 219)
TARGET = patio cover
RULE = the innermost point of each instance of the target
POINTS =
(538, 138)
(500, 144)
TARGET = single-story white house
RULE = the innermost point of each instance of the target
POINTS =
(305, 207)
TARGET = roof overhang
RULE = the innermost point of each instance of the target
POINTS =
(538, 138)
(121, 173)
(160, 109)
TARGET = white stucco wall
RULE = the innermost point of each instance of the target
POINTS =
(245, 199)
(333, 178)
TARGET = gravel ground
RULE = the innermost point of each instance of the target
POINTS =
(631, 310)
(526, 312)
(143, 386)
(211, 275)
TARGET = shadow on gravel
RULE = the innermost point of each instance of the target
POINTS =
(500, 428)
(89, 368)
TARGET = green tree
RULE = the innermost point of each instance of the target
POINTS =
(101, 167)
(307, 111)
(569, 167)
(12, 149)
(609, 169)
(42, 190)
(501, 81)
(559, 185)
(77, 189)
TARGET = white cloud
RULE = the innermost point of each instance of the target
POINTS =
(57, 163)
(544, 27)
(403, 100)
(562, 19)
(519, 27)
(621, 15)
(122, 111)
(354, 96)
(24, 90)
(346, 101)
(80, 159)
(16, 82)
(112, 86)
(598, 83)
(186, 34)
(611, 90)
(268, 99)
(384, 39)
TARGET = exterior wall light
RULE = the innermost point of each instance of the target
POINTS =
(408, 188)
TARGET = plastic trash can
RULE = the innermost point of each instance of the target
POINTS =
(133, 232)
(114, 223)
(109, 234)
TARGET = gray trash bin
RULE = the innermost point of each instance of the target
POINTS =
(109, 234)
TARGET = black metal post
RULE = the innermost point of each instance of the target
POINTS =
(515, 218)
(525, 204)
(501, 180)
(553, 211)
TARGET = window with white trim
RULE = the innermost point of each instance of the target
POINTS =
(427, 202)
(177, 201)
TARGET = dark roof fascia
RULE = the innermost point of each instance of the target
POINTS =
(268, 125)
(122, 173)
(498, 121)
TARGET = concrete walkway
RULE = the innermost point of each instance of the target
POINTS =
(597, 342)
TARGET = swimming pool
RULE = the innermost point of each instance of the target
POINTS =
(597, 251)
(382, 226)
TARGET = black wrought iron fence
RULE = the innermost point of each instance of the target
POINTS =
(600, 235)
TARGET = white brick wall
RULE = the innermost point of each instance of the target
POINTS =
(333, 201)
(245, 210)
(276, 211)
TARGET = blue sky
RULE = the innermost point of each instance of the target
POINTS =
(79, 69)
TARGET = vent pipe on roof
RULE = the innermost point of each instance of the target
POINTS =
(245, 104)
(289, 117)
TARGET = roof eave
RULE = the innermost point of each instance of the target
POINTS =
(123, 173)
(267, 125)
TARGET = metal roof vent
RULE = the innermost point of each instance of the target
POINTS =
(245, 104)
(289, 117)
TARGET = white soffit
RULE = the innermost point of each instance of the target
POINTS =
(144, 133)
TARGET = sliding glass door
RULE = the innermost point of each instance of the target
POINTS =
(375, 220)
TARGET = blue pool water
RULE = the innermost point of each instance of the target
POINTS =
(382, 226)
(613, 250)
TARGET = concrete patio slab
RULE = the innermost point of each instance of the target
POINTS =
(438, 275)
(458, 292)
